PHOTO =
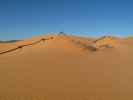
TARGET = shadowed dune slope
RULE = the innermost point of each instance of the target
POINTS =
(67, 68)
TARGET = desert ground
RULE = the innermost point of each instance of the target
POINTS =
(58, 67)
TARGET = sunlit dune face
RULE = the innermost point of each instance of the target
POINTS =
(67, 68)
(106, 42)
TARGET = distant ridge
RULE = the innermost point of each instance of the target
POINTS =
(10, 41)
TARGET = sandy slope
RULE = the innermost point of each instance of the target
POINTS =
(65, 68)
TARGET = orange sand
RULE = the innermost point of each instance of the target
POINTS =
(66, 68)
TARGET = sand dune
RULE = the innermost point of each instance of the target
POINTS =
(67, 68)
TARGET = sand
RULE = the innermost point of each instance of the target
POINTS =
(67, 68)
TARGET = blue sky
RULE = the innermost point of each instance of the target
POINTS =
(25, 18)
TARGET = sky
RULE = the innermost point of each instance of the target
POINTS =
(21, 19)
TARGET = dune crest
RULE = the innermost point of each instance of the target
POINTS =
(25, 45)
(102, 43)
(68, 42)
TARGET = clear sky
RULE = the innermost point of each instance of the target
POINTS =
(25, 18)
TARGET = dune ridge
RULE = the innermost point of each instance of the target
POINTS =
(92, 45)
(24, 45)
(106, 42)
